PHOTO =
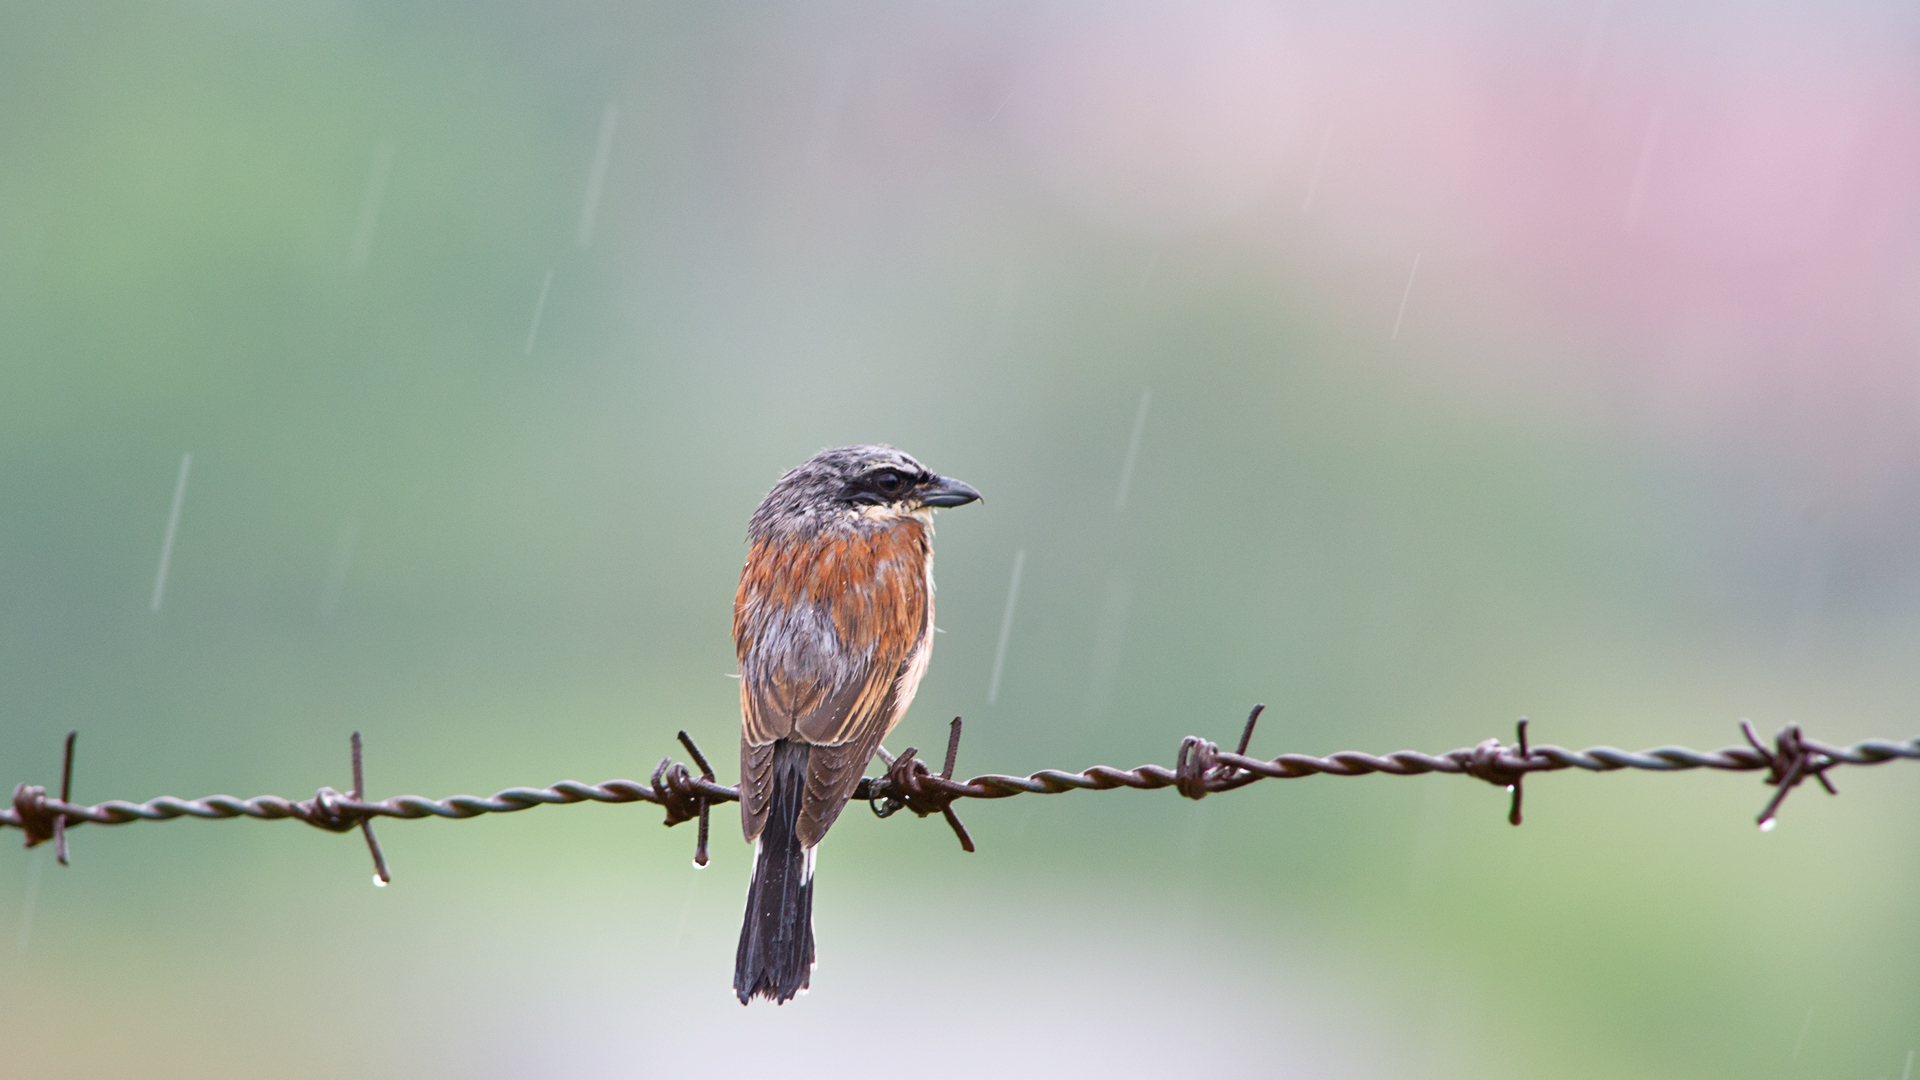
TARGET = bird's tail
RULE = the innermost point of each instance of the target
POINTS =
(775, 957)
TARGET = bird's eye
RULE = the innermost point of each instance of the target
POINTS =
(889, 482)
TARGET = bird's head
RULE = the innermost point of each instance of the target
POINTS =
(853, 483)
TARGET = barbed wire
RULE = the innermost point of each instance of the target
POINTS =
(1201, 768)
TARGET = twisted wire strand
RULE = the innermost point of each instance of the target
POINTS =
(1215, 770)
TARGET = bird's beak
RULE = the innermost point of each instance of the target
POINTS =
(946, 491)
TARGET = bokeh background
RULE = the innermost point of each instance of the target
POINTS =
(1408, 367)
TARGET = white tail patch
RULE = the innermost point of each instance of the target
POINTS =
(806, 871)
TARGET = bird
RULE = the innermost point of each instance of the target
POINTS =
(833, 627)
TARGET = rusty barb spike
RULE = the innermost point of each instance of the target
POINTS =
(1198, 770)
(380, 875)
(1500, 765)
(1513, 815)
(39, 821)
(334, 812)
(910, 784)
(706, 771)
(66, 796)
(684, 797)
(1792, 760)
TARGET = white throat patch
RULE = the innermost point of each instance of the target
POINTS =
(891, 512)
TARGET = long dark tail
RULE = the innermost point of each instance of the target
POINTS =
(775, 958)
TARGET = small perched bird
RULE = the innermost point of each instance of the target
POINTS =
(833, 625)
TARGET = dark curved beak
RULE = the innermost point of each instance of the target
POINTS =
(946, 491)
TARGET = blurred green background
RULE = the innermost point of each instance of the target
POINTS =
(1494, 360)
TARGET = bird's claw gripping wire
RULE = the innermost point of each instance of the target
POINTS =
(909, 784)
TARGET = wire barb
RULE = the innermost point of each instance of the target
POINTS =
(334, 812)
(1504, 766)
(1199, 771)
(66, 795)
(1246, 734)
(1513, 815)
(380, 874)
(684, 797)
(706, 772)
(41, 818)
(1791, 761)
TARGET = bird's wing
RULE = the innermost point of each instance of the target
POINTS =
(834, 770)
(766, 717)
